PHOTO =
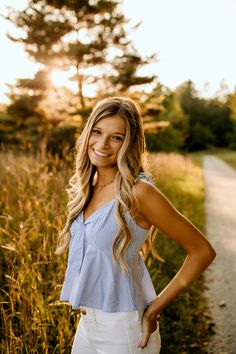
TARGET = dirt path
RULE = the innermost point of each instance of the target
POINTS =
(220, 184)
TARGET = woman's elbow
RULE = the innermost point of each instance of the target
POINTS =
(209, 254)
(204, 255)
(213, 254)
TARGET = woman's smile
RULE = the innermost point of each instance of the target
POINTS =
(100, 154)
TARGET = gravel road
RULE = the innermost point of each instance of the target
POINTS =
(220, 184)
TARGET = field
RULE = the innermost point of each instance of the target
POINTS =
(32, 206)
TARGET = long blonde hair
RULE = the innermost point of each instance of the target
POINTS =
(130, 164)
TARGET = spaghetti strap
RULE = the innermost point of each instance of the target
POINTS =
(146, 176)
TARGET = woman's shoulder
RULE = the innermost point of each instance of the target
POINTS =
(143, 190)
(144, 176)
(144, 186)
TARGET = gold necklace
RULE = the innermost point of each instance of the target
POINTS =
(99, 186)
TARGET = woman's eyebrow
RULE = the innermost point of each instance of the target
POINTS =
(112, 132)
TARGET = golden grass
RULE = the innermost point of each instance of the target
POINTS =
(181, 180)
(32, 212)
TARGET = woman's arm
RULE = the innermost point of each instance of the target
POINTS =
(156, 209)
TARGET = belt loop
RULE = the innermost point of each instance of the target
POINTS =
(91, 312)
(83, 311)
(94, 316)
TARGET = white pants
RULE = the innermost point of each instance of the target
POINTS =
(101, 332)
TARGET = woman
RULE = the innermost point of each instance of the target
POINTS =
(114, 211)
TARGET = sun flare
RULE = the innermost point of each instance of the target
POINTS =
(61, 79)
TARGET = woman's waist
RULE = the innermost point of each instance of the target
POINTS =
(97, 314)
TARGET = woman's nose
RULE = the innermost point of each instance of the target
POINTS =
(104, 142)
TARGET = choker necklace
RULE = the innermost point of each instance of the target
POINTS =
(99, 186)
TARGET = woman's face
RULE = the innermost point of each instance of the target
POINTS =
(105, 141)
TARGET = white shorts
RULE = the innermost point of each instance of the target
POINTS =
(101, 332)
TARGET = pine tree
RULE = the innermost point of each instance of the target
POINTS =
(88, 35)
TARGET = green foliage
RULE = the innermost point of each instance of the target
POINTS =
(28, 134)
(125, 71)
(61, 139)
(25, 133)
(199, 123)
(200, 138)
(169, 140)
(231, 137)
(231, 102)
(24, 107)
(26, 96)
(209, 120)
(173, 121)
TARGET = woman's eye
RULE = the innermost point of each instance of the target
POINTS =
(95, 131)
(115, 137)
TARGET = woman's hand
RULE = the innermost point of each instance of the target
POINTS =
(149, 325)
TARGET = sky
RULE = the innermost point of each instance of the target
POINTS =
(194, 40)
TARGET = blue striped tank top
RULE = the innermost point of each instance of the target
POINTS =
(92, 279)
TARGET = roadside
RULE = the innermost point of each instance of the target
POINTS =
(220, 278)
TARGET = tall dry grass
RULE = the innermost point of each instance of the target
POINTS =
(33, 201)
(32, 213)
(180, 178)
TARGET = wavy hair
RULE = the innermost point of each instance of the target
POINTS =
(130, 164)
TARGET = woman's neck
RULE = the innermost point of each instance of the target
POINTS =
(105, 176)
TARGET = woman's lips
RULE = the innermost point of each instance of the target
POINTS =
(100, 154)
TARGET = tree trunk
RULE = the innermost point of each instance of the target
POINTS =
(80, 87)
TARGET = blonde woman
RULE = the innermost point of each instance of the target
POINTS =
(114, 211)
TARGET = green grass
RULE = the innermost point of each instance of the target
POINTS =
(229, 156)
(32, 208)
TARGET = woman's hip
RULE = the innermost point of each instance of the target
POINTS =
(113, 332)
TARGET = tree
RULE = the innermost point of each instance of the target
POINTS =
(81, 34)
(169, 116)
(26, 95)
(209, 120)
(125, 71)
(231, 103)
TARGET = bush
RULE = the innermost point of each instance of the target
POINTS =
(61, 138)
(200, 138)
(231, 137)
(169, 140)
